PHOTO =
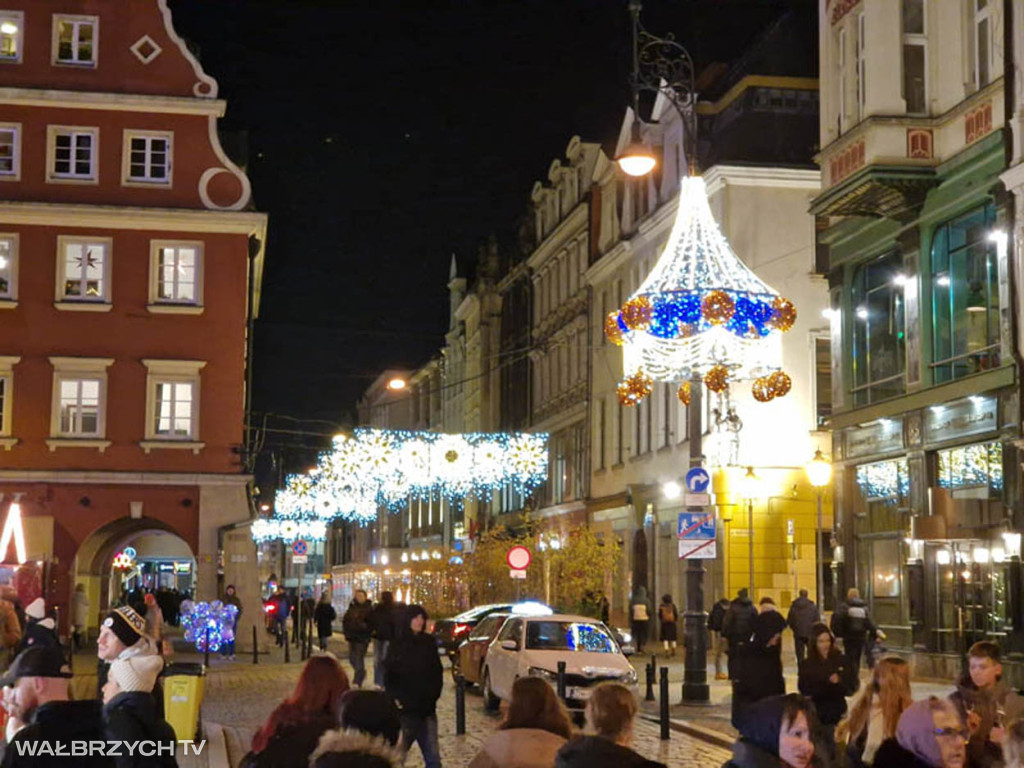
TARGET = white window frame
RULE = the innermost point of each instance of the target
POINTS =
(172, 306)
(15, 173)
(841, 67)
(7, 401)
(127, 180)
(80, 303)
(861, 66)
(77, 20)
(920, 40)
(52, 176)
(9, 300)
(17, 18)
(172, 372)
(74, 369)
(978, 16)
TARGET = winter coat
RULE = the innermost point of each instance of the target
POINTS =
(829, 698)
(384, 620)
(668, 615)
(412, 673)
(738, 623)
(980, 751)
(63, 721)
(761, 673)
(79, 609)
(758, 745)
(355, 749)
(851, 620)
(598, 752)
(131, 716)
(519, 748)
(892, 755)
(39, 633)
(281, 608)
(324, 615)
(291, 745)
(356, 622)
(10, 626)
(640, 609)
(802, 616)
(717, 615)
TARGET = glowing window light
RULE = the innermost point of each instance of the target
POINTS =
(13, 529)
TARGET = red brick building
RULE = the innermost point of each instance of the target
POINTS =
(130, 263)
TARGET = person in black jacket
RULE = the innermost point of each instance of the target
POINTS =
(356, 626)
(761, 673)
(737, 627)
(718, 641)
(129, 712)
(802, 616)
(40, 698)
(382, 623)
(776, 731)
(413, 678)
(852, 624)
(324, 616)
(822, 680)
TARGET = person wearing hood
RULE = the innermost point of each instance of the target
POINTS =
(776, 732)
(737, 628)
(852, 624)
(39, 678)
(39, 628)
(129, 712)
(358, 632)
(122, 636)
(821, 680)
(368, 736)
(986, 704)
(802, 616)
(535, 728)
(413, 678)
(930, 734)
(640, 617)
(610, 711)
(231, 598)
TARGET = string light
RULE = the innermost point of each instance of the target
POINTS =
(288, 530)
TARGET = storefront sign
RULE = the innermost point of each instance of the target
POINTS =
(881, 437)
(969, 417)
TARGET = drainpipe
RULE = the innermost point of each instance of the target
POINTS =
(248, 460)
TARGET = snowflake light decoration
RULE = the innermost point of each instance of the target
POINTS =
(288, 529)
(213, 622)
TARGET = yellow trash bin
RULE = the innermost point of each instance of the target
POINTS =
(183, 696)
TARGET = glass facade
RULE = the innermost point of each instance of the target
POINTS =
(879, 333)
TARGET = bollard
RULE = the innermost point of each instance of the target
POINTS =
(206, 653)
(255, 650)
(460, 705)
(649, 673)
(561, 680)
(287, 653)
(664, 704)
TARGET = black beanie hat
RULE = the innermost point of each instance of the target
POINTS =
(126, 624)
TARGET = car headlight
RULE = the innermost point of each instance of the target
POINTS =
(626, 637)
(629, 678)
(546, 674)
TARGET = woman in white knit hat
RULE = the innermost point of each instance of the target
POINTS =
(129, 711)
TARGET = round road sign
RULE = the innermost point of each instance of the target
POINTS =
(518, 558)
(299, 547)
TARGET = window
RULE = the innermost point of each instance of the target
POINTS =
(914, 58)
(10, 151)
(601, 433)
(879, 342)
(172, 404)
(972, 471)
(983, 42)
(823, 381)
(8, 269)
(861, 66)
(75, 40)
(6, 400)
(72, 152)
(965, 296)
(11, 25)
(83, 272)
(146, 158)
(79, 401)
(841, 56)
(176, 270)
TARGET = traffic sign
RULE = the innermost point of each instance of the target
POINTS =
(697, 525)
(518, 559)
(697, 549)
(517, 573)
(697, 499)
(300, 559)
(697, 480)
(299, 547)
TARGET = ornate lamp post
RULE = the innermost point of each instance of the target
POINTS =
(819, 475)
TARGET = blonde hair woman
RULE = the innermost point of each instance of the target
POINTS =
(876, 711)
(610, 712)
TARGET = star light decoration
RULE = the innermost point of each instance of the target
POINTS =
(288, 530)
(208, 621)
(701, 312)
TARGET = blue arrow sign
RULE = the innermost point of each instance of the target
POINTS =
(697, 480)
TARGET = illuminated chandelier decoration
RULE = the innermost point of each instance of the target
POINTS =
(702, 313)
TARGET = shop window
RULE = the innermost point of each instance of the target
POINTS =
(886, 568)
(965, 296)
(884, 489)
(879, 334)
(969, 468)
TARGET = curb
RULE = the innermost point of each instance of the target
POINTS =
(683, 726)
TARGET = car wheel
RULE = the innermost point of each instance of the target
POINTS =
(491, 701)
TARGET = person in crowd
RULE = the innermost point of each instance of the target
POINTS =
(802, 616)
(40, 629)
(718, 641)
(122, 636)
(129, 712)
(231, 598)
(324, 616)
(852, 624)
(280, 616)
(358, 632)
(79, 616)
(929, 734)
(369, 731)
(777, 732)
(1013, 745)
(382, 622)
(605, 608)
(985, 703)
(293, 730)
(610, 711)
(154, 619)
(308, 609)
(10, 623)
(413, 678)
(373, 713)
(39, 682)
(668, 619)
(640, 617)
(737, 628)
(761, 673)
(536, 726)
(821, 680)
(876, 711)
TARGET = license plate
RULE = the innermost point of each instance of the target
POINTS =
(575, 692)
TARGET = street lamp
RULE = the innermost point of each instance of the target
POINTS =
(819, 475)
(671, 490)
(750, 488)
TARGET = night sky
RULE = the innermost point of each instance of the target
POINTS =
(385, 136)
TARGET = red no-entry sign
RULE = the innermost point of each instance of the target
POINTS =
(518, 558)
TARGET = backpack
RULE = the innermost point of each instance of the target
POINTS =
(667, 613)
(856, 620)
(640, 612)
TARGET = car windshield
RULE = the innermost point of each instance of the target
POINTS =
(481, 610)
(568, 636)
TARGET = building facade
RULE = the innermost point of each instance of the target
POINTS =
(130, 261)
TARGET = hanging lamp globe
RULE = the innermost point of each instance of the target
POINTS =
(637, 159)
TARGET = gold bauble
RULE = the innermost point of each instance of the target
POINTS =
(634, 388)
(717, 307)
(783, 315)
(684, 393)
(780, 383)
(636, 313)
(451, 456)
(612, 329)
(717, 378)
(762, 390)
